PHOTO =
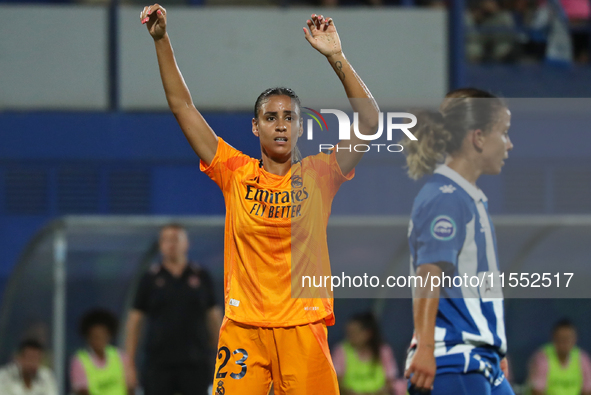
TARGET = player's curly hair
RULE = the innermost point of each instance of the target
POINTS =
(279, 91)
(563, 323)
(367, 321)
(96, 317)
(442, 132)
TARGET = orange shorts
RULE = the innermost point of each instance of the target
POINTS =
(295, 359)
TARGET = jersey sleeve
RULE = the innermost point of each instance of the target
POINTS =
(538, 371)
(142, 296)
(440, 228)
(78, 379)
(326, 165)
(586, 368)
(226, 160)
(338, 360)
(50, 384)
(126, 368)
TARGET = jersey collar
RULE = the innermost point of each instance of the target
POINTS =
(474, 192)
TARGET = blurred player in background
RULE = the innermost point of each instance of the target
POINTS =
(268, 335)
(26, 375)
(364, 363)
(177, 300)
(100, 368)
(560, 367)
(459, 338)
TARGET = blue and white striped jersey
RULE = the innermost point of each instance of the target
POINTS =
(450, 226)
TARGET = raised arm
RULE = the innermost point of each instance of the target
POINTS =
(422, 368)
(324, 38)
(200, 136)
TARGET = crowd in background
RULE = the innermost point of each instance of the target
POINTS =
(522, 30)
(364, 363)
(175, 301)
(497, 31)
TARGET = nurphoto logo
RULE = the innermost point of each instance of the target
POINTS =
(345, 129)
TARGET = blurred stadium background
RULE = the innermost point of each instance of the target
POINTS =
(92, 163)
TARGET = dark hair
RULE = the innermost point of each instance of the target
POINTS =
(30, 343)
(369, 323)
(443, 132)
(563, 323)
(279, 91)
(96, 317)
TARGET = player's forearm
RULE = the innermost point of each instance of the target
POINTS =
(425, 307)
(425, 313)
(133, 333)
(177, 93)
(359, 95)
(214, 322)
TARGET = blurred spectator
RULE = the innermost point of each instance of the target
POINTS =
(177, 298)
(560, 367)
(491, 32)
(532, 20)
(578, 13)
(26, 376)
(364, 364)
(334, 3)
(100, 369)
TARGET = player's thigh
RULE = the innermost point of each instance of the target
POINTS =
(159, 381)
(304, 365)
(457, 384)
(503, 389)
(193, 380)
(242, 365)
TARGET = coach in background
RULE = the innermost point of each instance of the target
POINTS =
(176, 298)
(26, 376)
(560, 367)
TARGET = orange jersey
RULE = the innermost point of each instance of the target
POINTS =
(275, 234)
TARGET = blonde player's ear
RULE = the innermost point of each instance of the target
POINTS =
(301, 131)
(255, 127)
(478, 139)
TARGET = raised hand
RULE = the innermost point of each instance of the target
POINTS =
(154, 17)
(323, 35)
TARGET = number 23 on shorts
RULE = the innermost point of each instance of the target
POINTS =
(224, 352)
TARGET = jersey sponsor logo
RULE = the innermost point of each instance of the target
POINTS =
(447, 188)
(234, 302)
(276, 204)
(443, 228)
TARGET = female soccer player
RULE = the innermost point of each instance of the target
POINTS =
(459, 338)
(277, 210)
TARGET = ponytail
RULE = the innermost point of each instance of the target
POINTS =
(296, 155)
(443, 132)
(423, 155)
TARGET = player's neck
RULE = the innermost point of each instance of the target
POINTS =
(101, 354)
(175, 266)
(277, 168)
(465, 168)
(27, 379)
